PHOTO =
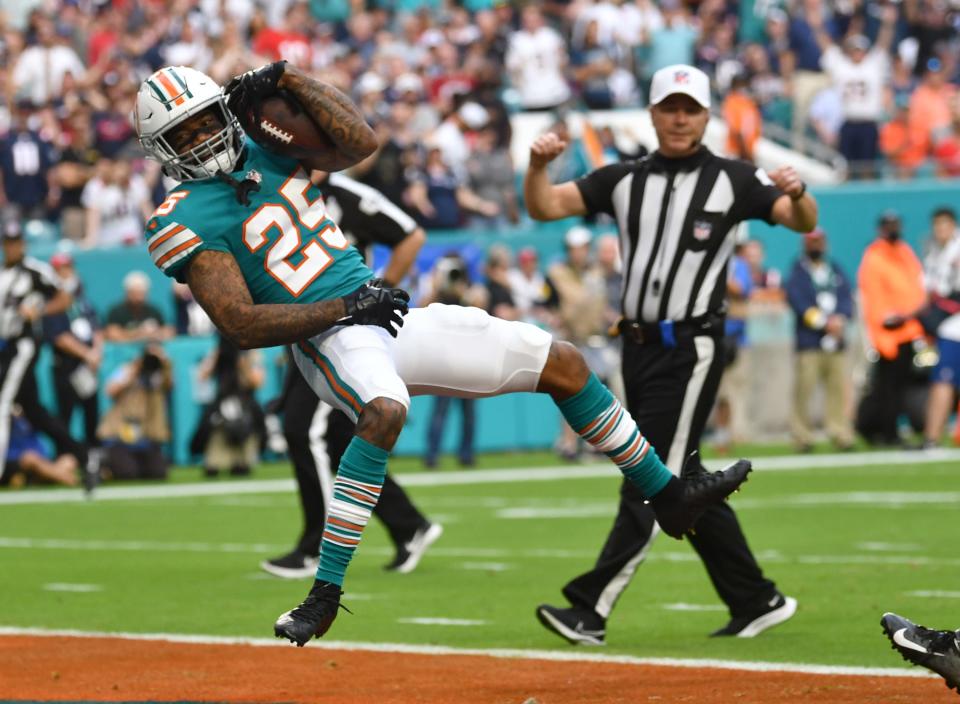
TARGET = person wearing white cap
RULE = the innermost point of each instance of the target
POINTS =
(449, 136)
(860, 73)
(134, 319)
(678, 211)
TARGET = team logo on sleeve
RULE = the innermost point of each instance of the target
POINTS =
(702, 230)
(762, 177)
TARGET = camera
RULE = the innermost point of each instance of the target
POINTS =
(451, 270)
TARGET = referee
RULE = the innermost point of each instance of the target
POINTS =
(677, 212)
(28, 290)
(317, 434)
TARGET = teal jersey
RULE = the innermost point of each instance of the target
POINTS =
(285, 243)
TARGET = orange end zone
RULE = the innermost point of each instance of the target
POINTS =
(115, 669)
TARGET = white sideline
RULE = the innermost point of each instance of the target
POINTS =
(553, 655)
(473, 476)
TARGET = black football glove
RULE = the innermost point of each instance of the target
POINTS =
(372, 305)
(246, 91)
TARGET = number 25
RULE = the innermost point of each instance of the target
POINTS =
(311, 215)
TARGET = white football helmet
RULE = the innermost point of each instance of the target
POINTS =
(167, 98)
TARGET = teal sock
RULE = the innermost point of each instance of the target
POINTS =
(597, 416)
(355, 493)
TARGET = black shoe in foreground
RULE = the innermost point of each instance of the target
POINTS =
(680, 503)
(577, 626)
(938, 651)
(313, 617)
(780, 608)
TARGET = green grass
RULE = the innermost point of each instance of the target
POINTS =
(191, 565)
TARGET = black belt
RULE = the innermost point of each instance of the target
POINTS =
(668, 332)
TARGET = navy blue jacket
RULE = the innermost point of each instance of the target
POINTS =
(802, 295)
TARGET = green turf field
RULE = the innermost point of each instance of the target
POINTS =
(848, 543)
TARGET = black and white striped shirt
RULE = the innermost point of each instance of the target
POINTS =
(364, 214)
(677, 220)
(31, 282)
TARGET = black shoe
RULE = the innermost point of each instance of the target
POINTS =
(240, 470)
(293, 565)
(211, 473)
(678, 510)
(779, 609)
(313, 617)
(409, 553)
(576, 626)
(938, 651)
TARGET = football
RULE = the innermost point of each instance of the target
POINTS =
(285, 128)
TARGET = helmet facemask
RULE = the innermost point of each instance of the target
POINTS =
(215, 154)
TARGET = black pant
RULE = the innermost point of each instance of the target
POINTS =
(670, 392)
(317, 436)
(879, 411)
(18, 384)
(68, 401)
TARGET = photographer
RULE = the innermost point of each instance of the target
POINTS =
(231, 430)
(136, 427)
(450, 284)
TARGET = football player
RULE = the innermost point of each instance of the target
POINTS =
(249, 233)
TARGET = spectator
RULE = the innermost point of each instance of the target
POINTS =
(582, 302)
(231, 430)
(451, 285)
(491, 176)
(288, 42)
(450, 136)
(136, 426)
(77, 342)
(674, 42)
(27, 460)
(860, 73)
(744, 122)
(929, 26)
(134, 319)
(41, 69)
(730, 420)
(117, 203)
(439, 197)
(947, 150)
(500, 303)
(826, 115)
(930, 105)
(765, 282)
(533, 294)
(902, 143)
(807, 77)
(74, 169)
(26, 167)
(820, 296)
(890, 280)
(941, 265)
(536, 59)
(596, 68)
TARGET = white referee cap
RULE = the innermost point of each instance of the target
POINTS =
(680, 78)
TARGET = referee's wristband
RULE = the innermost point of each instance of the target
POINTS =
(803, 191)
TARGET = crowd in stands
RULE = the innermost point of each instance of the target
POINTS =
(439, 81)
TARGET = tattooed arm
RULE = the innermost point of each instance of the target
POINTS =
(337, 116)
(219, 288)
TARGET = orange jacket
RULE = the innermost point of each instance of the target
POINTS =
(744, 125)
(891, 283)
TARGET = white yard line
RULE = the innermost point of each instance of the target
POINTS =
(489, 557)
(568, 655)
(933, 594)
(437, 621)
(465, 477)
(68, 587)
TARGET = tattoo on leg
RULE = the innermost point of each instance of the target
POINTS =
(381, 421)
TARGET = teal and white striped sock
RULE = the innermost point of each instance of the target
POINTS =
(597, 416)
(355, 493)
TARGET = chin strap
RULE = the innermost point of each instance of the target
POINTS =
(242, 189)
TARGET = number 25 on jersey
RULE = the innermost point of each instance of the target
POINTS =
(311, 219)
